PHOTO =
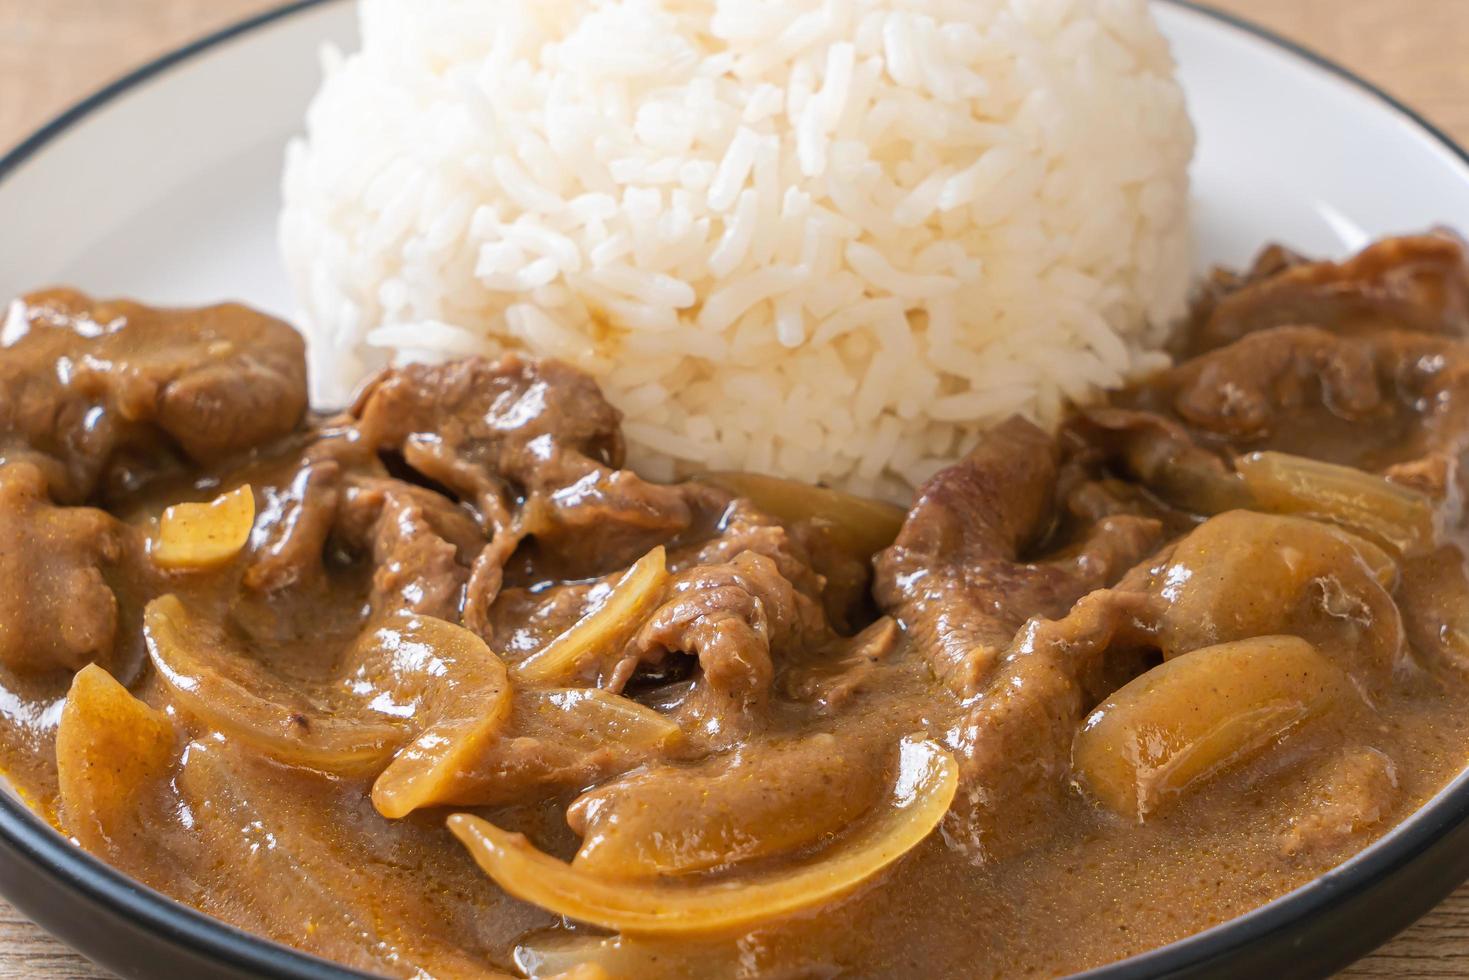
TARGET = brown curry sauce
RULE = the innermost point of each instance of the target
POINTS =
(1088, 624)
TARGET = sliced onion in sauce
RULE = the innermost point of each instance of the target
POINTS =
(467, 701)
(1199, 489)
(200, 536)
(1197, 714)
(225, 688)
(859, 525)
(1401, 517)
(925, 785)
(110, 749)
(414, 676)
(676, 820)
(434, 770)
(599, 715)
(604, 631)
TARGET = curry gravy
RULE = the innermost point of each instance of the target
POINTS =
(1092, 692)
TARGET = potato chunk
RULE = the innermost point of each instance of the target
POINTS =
(57, 610)
(1198, 714)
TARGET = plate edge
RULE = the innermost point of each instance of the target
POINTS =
(30, 145)
(1331, 66)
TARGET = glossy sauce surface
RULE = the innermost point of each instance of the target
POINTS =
(1104, 689)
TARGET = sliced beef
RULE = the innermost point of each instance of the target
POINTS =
(948, 576)
(1148, 451)
(1357, 362)
(1418, 283)
(744, 527)
(1350, 794)
(1236, 576)
(523, 768)
(528, 448)
(858, 665)
(534, 449)
(1000, 631)
(297, 521)
(484, 428)
(1435, 475)
(57, 611)
(738, 618)
(1244, 391)
(422, 546)
(847, 579)
(1374, 401)
(1223, 282)
(1434, 599)
(805, 555)
(1013, 742)
(956, 579)
(105, 391)
(741, 603)
(513, 433)
(524, 620)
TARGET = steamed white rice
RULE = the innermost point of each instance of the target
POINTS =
(829, 239)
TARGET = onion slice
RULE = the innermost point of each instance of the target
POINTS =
(600, 716)
(111, 750)
(469, 711)
(200, 536)
(1398, 516)
(229, 691)
(1177, 725)
(860, 526)
(554, 741)
(605, 630)
(448, 691)
(926, 780)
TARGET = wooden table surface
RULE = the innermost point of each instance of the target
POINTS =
(55, 51)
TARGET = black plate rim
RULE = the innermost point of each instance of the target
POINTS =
(77, 870)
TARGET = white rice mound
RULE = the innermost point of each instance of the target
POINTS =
(827, 239)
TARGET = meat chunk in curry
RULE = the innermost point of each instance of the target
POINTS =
(439, 686)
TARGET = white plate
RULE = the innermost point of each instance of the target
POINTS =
(166, 189)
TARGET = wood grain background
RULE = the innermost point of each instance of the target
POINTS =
(53, 52)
